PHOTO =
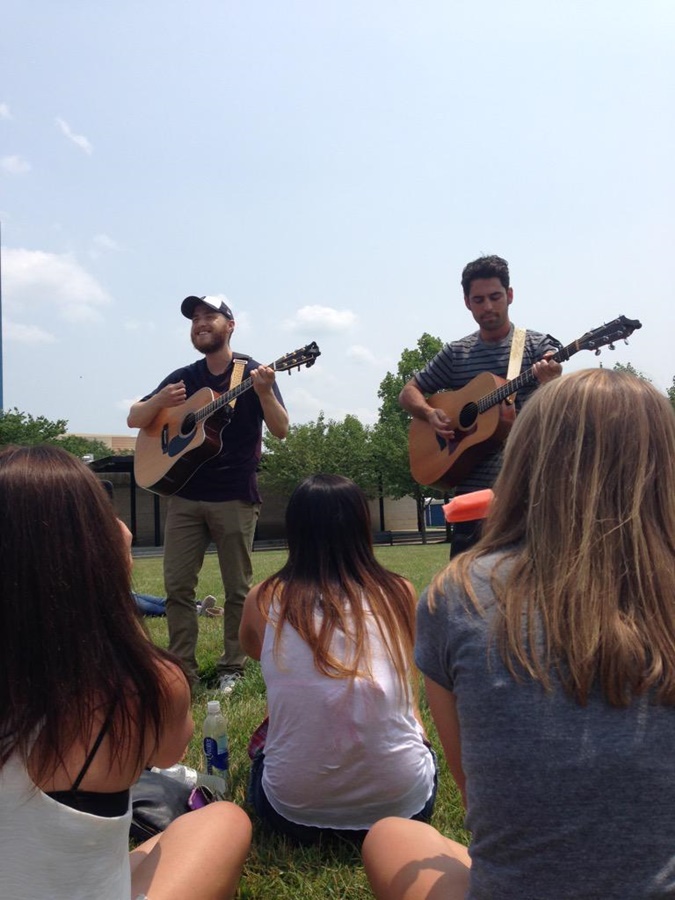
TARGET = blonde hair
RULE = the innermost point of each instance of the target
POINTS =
(585, 512)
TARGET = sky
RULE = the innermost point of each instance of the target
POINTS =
(329, 167)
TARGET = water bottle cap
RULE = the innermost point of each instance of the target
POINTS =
(213, 707)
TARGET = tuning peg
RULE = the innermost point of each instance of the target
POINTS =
(625, 340)
(611, 346)
(598, 352)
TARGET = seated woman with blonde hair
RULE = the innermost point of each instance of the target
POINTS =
(334, 633)
(548, 652)
(86, 703)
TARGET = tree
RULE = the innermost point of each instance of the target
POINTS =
(21, 428)
(323, 446)
(630, 369)
(390, 437)
(80, 446)
(671, 393)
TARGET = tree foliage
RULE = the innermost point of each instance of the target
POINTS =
(80, 446)
(23, 429)
(630, 369)
(375, 458)
(390, 438)
(328, 446)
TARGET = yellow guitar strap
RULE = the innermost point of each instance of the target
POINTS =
(237, 375)
(516, 357)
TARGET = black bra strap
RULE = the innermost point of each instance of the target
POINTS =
(92, 753)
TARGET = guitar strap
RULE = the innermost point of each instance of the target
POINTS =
(237, 375)
(516, 357)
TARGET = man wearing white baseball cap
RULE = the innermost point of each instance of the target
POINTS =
(220, 502)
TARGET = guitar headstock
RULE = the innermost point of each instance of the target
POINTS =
(617, 330)
(305, 356)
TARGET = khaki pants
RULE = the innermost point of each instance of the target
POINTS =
(190, 527)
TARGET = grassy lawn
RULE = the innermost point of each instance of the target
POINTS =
(275, 870)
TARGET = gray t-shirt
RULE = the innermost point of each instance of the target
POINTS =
(564, 801)
(460, 361)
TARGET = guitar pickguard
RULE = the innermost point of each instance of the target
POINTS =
(178, 443)
(449, 447)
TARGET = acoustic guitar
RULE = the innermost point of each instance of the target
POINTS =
(181, 439)
(482, 413)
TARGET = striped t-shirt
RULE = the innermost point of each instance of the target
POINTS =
(460, 361)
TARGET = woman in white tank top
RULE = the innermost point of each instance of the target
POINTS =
(86, 703)
(334, 633)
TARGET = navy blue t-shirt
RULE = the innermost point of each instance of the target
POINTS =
(232, 473)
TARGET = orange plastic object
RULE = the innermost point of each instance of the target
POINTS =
(467, 507)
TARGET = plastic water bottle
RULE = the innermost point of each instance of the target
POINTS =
(216, 754)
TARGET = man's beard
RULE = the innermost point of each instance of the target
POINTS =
(210, 343)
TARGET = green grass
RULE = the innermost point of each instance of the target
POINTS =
(275, 869)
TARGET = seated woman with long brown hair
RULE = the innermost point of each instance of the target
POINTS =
(334, 632)
(549, 659)
(86, 703)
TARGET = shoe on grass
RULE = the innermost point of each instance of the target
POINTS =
(207, 603)
(227, 683)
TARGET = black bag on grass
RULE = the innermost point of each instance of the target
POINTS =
(157, 799)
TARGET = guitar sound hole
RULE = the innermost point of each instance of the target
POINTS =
(188, 424)
(468, 415)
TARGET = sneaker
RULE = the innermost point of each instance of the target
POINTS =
(207, 603)
(227, 683)
(215, 611)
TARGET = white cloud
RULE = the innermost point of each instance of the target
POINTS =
(104, 242)
(363, 355)
(321, 319)
(4, 111)
(27, 334)
(39, 281)
(242, 320)
(101, 244)
(138, 325)
(78, 139)
(302, 404)
(14, 165)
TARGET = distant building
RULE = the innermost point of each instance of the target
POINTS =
(118, 443)
(144, 512)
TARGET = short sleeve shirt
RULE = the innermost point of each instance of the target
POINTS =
(460, 361)
(232, 473)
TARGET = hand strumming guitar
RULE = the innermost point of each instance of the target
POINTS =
(172, 395)
(143, 412)
(441, 423)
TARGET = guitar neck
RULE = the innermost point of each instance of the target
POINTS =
(527, 377)
(223, 399)
(305, 356)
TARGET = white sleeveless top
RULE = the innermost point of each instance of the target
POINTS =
(340, 753)
(49, 851)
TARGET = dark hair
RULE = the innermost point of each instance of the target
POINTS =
(485, 267)
(331, 566)
(71, 643)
